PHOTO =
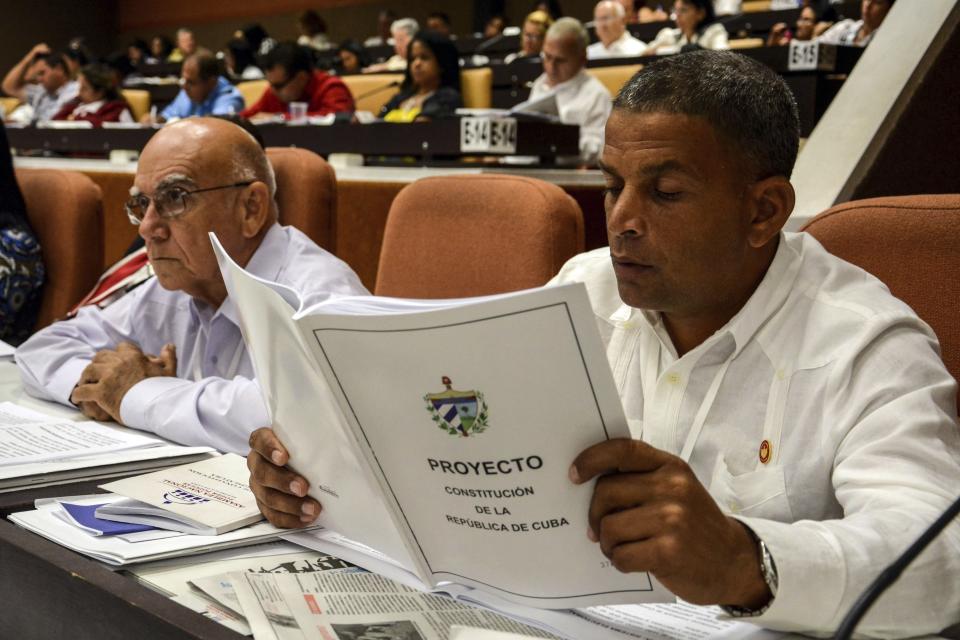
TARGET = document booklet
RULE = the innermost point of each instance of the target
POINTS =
(440, 432)
(204, 498)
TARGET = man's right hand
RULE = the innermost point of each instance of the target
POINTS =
(281, 494)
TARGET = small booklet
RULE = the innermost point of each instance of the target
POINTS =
(440, 432)
(205, 498)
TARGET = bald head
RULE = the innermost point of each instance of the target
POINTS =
(203, 175)
(610, 21)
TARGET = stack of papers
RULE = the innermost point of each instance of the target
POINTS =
(120, 550)
(40, 450)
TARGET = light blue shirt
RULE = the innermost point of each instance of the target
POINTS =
(223, 100)
(214, 400)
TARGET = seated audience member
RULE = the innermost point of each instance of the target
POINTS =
(613, 39)
(652, 11)
(21, 263)
(240, 62)
(401, 31)
(696, 25)
(205, 92)
(186, 45)
(780, 34)
(77, 56)
(351, 58)
(629, 11)
(313, 31)
(550, 7)
(581, 98)
(257, 37)
(98, 100)
(53, 87)
(137, 52)
(494, 27)
(431, 85)
(160, 49)
(439, 22)
(385, 19)
(798, 426)
(858, 33)
(169, 357)
(728, 7)
(289, 69)
(535, 27)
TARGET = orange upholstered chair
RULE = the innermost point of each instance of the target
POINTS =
(456, 236)
(306, 192)
(912, 244)
(65, 210)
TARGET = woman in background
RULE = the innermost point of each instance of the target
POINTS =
(160, 49)
(21, 263)
(431, 85)
(351, 58)
(696, 25)
(780, 34)
(98, 100)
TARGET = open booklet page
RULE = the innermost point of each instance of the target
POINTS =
(468, 414)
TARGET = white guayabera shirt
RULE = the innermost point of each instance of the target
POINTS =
(822, 417)
(581, 100)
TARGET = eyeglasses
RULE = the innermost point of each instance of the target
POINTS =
(169, 203)
(279, 86)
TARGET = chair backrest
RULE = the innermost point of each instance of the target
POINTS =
(138, 100)
(456, 236)
(65, 210)
(252, 90)
(306, 192)
(8, 104)
(372, 91)
(613, 78)
(912, 244)
(476, 86)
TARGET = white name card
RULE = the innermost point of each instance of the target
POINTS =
(488, 135)
(803, 55)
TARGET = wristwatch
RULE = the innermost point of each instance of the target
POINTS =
(768, 569)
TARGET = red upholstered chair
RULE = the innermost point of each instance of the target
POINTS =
(65, 210)
(306, 192)
(456, 236)
(912, 244)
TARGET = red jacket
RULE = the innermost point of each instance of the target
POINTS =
(110, 111)
(323, 94)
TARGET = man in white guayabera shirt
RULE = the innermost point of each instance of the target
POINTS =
(168, 357)
(795, 429)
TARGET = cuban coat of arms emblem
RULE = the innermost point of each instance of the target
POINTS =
(459, 413)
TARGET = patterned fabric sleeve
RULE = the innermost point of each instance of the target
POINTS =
(21, 278)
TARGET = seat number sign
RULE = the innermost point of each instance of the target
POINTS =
(803, 55)
(488, 135)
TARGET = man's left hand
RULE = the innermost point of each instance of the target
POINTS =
(650, 513)
(111, 375)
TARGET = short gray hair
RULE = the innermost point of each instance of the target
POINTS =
(748, 104)
(617, 7)
(569, 28)
(405, 24)
(250, 163)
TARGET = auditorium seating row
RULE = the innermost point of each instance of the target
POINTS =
(466, 235)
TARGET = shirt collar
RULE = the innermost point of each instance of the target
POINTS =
(768, 297)
(266, 263)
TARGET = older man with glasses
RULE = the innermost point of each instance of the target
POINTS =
(169, 357)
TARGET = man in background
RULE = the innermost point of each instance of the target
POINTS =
(614, 41)
(51, 88)
(289, 69)
(205, 92)
(401, 31)
(186, 45)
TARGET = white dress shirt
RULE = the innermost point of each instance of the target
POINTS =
(626, 46)
(672, 40)
(581, 100)
(214, 400)
(845, 33)
(845, 385)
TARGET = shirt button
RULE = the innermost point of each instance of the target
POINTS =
(732, 506)
(214, 359)
(673, 378)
